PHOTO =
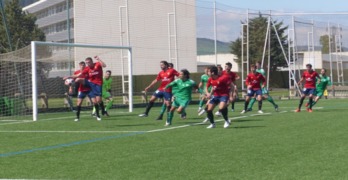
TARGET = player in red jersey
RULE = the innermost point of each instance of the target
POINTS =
(253, 82)
(166, 76)
(310, 77)
(233, 88)
(218, 95)
(94, 81)
(83, 91)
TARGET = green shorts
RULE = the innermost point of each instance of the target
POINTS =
(319, 92)
(264, 91)
(180, 102)
(106, 94)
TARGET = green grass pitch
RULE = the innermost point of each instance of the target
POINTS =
(275, 145)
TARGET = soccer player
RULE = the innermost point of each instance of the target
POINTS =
(265, 93)
(321, 87)
(164, 106)
(233, 77)
(254, 81)
(219, 95)
(83, 91)
(106, 92)
(201, 88)
(309, 76)
(166, 76)
(183, 94)
(94, 81)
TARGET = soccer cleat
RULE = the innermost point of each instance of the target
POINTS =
(106, 114)
(218, 113)
(309, 110)
(249, 109)
(183, 116)
(276, 108)
(199, 109)
(211, 126)
(205, 120)
(298, 110)
(260, 111)
(307, 104)
(98, 118)
(227, 124)
(243, 112)
(160, 117)
(167, 124)
(201, 113)
(143, 115)
(232, 110)
(77, 119)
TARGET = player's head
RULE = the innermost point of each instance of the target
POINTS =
(228, 66)
(323, 71)
(82, 65)
(184, 74)
(206, 70)
(309, 67)
(170, 65)
(258, 64)
(107, 74)
(213, 71)
(89, 61)
(220, 69)
(164, 65)
(252, 68)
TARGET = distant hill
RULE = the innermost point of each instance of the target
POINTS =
(206, 47)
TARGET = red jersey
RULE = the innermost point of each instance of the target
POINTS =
(95, 74)
(230, 75)
(310, 79)
(221, 85)
(166, 77)
(255, 80)
(82, 88)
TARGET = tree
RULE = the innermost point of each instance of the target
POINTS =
(257, 34)
(21, 28)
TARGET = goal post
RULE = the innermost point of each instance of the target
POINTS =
(68, 55)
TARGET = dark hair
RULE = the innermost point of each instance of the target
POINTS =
(82, 63)
(108, 71)
(170, 65)
(214, 70)
(229, 64)
(309, 65)
(219, 67)
(186, 73)
(252, 66)
(165, 63)
(89, 58)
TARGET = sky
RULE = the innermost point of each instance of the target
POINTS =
(290, 5)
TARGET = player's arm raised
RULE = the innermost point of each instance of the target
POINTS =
(99, 60)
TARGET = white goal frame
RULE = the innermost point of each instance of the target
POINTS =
(34, 75)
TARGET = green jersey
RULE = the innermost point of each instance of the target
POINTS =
(204, 81)
(106, 84)
(183, 88)
(261, 71)
(324, 81)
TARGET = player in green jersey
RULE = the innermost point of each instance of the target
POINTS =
(321, 86)
(201, 88)
(106, 92)
(265, 93)
(182, 94)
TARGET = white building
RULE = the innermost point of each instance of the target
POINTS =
(156, 30)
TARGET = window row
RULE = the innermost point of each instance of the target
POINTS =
(58, 27)
(53, 10)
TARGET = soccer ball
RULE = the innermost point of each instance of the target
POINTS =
(69, 81)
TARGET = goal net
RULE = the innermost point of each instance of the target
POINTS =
(32, 79)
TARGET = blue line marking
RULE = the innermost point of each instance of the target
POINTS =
(69, 144)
